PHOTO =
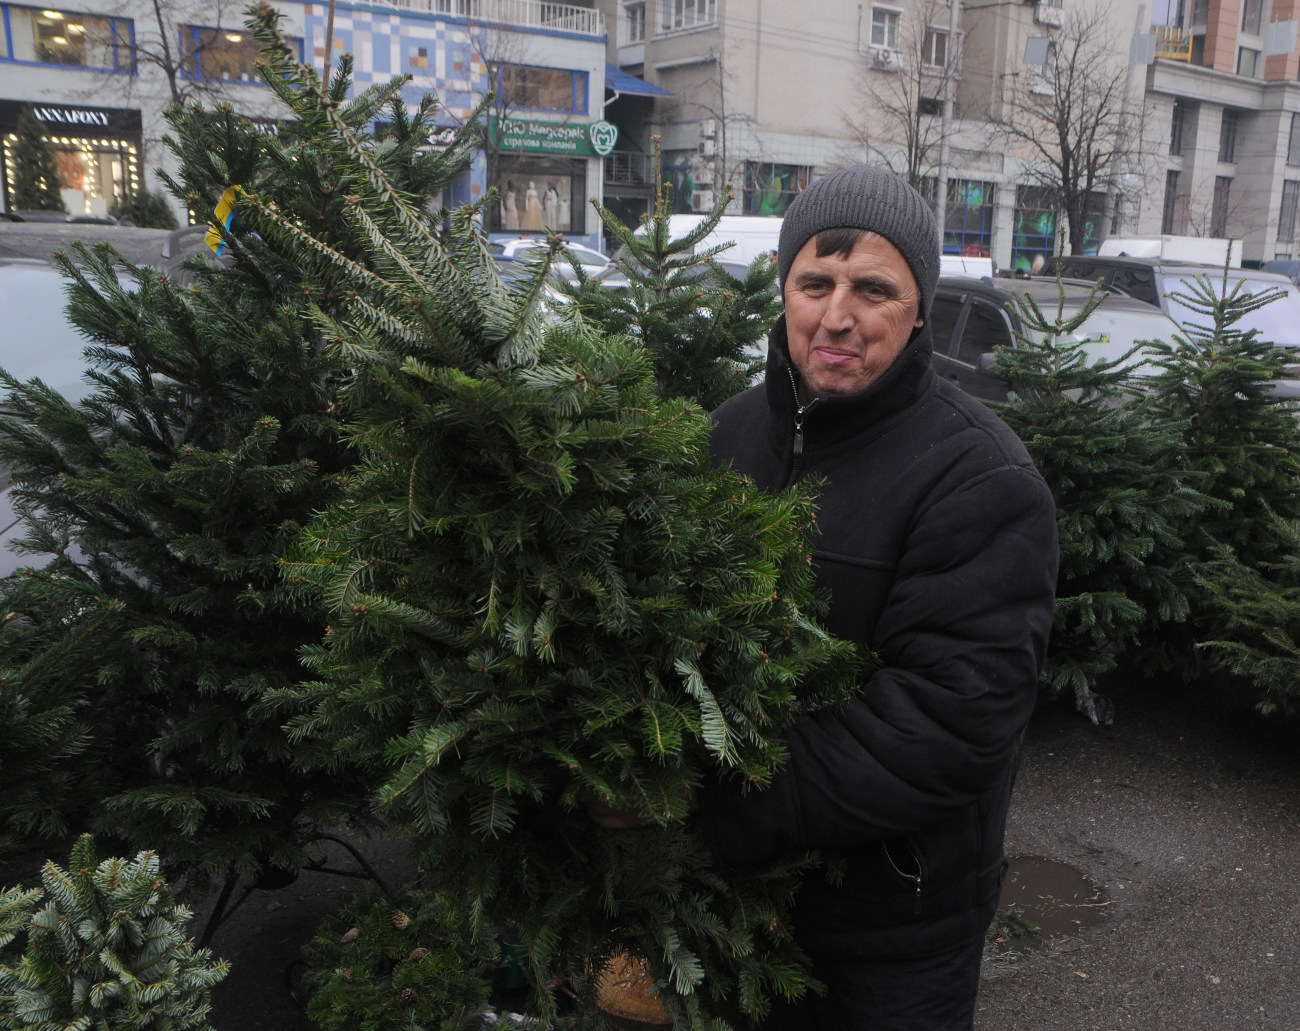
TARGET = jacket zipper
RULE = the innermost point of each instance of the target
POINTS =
(799, 410)
(916, 879)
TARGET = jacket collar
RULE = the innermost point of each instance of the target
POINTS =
(835, 418)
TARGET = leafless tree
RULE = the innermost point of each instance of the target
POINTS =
(899, 91)
(1068, 119)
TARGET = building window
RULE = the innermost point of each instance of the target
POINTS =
(1176, 126)
(687, 14)
(417, 57)
(1169, 218)
(49, 36)
(934, 48)
(968, 219)
(1247, 61)
(1167, 12)
(1219, 207)
(929, 106)
(770, 188)
(1293, 144)
(1252, 12)
(1034, 237)
(1286, 221)
(226, 54)
(634, 22)
(543, 89)
(885, 24)
(1200, 12)
(1228, 136)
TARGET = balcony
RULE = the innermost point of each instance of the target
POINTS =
(1172, 43)
(629, 168)
(516, 14)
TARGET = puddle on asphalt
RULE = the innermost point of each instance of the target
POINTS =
(1044, 900)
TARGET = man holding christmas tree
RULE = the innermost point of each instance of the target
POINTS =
(936, 540)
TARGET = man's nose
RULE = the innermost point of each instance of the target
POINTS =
(839, 315)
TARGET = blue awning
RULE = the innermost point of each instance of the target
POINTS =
(621, 82)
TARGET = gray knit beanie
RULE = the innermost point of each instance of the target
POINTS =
(866, 197)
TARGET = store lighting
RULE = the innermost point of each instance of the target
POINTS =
(60, 40)
(234, 37)
(78, 29)
(52, 15)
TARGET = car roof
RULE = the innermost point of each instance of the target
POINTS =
(1043, 290)
(142, 246)
(1173, 265)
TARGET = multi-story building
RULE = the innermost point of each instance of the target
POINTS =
(1221, 131)
(99, 74)
(767, 94)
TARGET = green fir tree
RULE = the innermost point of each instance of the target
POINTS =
(1122, 498)
(541, 596)
(1240, 446)
(147, 649)
(704, 328)
(104, 948)
(382, 964)
(36, 184)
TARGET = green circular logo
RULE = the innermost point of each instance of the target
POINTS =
(603, 136)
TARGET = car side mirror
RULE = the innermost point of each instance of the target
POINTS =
(988, 365)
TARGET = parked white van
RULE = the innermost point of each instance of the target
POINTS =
(748, 235)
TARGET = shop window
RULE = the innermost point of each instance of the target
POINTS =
(1034, 238)
(968, 218)
(543, 89)
(93, 171)
(885, 24)
(770, 188)
(227, 54)
(687, 14)
(537, 194)
(50, 36)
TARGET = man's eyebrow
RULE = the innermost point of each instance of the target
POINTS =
(877, 282)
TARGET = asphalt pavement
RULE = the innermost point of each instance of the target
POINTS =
(1157, 856)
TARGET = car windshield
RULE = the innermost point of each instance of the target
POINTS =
(1277, 322)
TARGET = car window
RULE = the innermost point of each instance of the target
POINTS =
(986, 327)
(38, 341)
(1110, 332)
(1277, 322)
(944, 313)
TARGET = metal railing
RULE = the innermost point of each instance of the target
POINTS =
(1172, 43)
(629, 167)
(528, 14)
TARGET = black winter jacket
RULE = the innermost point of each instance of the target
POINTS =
(936, 538)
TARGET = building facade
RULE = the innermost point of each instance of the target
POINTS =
(100, 74)
(1221, 127)
(766, 95)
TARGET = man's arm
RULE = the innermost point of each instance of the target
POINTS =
(962, 639)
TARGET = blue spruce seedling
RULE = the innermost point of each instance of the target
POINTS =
(106, 952)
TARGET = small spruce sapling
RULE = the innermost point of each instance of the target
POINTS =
(1121, 496)
(104, 948)
(703, 327)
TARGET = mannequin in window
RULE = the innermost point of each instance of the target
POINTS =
(532, 208)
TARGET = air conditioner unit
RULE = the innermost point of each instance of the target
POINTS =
(708, 128)
(885, 59)
(702, 200)
(1046, 14)
(707, 147)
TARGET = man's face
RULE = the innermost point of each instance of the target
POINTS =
(848, 317)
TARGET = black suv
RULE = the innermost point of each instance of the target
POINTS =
(971, 317)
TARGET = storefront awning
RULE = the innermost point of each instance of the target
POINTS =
(621, 82)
